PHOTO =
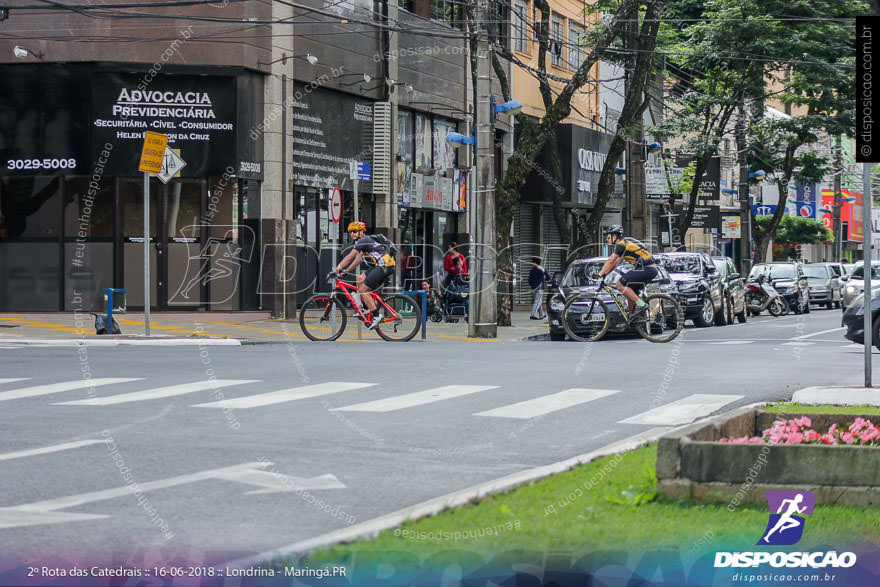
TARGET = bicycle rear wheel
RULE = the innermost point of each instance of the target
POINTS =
(405, 323)
(585, 317)
(322, 317)
(663, 320)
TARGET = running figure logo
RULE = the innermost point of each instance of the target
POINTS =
(786, 527)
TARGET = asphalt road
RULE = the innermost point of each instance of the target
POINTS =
(105, 474)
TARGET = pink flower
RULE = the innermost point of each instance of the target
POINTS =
(796, 438)
(803, 421)
(847, 438)
(832, 429)
(827, 439)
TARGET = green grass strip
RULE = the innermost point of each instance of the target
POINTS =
(610, 503)
(796, 408)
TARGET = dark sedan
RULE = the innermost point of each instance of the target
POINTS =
(854, 318)
(734, 289)
(700, 291)
(583, 276)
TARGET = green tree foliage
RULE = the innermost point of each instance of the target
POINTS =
(794, 230)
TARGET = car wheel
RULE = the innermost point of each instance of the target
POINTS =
(828, 305)
(837, 304)
(557, 336)
(707, 313)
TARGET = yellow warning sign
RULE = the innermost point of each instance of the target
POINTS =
(153, 152)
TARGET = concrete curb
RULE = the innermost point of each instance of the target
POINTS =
(372, 528)
(121, 342)
(838, 396)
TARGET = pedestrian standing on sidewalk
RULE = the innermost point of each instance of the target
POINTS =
(538, 276)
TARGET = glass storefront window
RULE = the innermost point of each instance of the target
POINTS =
(30, 246)
(88, 208)
(30, 207)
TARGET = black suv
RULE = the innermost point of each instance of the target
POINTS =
(734, 289)
(789, 280)
(700, 291)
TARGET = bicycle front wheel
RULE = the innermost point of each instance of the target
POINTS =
(403, 316)
(663, 319)
(322, 317)
(585, 317)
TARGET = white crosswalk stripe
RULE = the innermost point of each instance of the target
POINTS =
(158, 392)
(51, 388)
(285, 395)
(734, 342)
(549, 403)
(409, 400)
(12, 379)
(684, 410)
(49, 449)
(797, 343)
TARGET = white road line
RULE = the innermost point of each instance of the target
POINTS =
(733, 342)
(684, 410)
(285, 395)
(797, 343)
(158, 392)
(64, 386)
(44, 512)
(418, 398)
(838, 329)
(13, 379)
(49, 449)
(549, 403)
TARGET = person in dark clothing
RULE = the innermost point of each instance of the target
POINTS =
(538, 276)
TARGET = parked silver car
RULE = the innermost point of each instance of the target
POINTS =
(855, 281)
(824, 284)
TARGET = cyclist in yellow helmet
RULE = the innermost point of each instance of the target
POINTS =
(633, 251)
(380, 265)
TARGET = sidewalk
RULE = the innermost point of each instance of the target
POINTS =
(217, 328)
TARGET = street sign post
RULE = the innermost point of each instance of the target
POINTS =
(152, 157)
(354, 174)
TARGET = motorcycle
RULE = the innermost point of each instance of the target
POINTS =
(761, 295)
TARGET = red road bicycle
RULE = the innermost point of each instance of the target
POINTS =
(324, 316)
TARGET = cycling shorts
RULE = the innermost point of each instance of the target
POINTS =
(377, 276)
(637, 278)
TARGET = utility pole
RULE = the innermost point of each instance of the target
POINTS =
(483, 321)
(837, 245)
(745, 239)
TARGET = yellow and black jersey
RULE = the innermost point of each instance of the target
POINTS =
(634, 252)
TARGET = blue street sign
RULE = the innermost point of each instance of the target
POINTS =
(363, 170)
(763, 209)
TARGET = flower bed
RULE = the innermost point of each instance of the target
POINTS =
(797, 431)
(739, 456)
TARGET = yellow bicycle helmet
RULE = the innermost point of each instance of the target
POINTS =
(356, 225)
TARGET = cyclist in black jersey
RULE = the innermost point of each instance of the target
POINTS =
(633, 251)
(380, 266)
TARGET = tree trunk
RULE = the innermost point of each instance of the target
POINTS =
(635, 102)
(532, 140)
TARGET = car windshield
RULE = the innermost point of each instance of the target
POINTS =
(773, 271)
(816, 272)
(859, 272)
(720, 265)
(682, 264)
(582, 274)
